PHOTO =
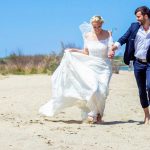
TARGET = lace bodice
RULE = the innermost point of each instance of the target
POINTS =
(98, 48)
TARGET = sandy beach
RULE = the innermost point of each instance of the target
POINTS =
(22, 128)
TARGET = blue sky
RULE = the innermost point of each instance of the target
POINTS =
(39, 26)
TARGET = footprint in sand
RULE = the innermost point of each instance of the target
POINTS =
(47, 141)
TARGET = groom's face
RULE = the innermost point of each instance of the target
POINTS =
(140, 18)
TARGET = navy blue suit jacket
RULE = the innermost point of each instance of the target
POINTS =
(128, 38)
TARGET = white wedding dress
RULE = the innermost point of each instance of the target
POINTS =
(81, 80)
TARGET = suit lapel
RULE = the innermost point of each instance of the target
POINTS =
(135, 30)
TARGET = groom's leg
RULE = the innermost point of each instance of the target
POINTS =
(148, 80)
(140, 75)
(146, 110)
(140, 71)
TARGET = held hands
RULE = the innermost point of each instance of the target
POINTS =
(111, 53)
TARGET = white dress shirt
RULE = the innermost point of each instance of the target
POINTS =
(141, 43)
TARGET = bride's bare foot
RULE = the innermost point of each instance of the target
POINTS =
(92, 119)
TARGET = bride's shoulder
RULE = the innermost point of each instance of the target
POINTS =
(107, 33)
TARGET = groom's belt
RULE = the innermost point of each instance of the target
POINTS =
(141, 60)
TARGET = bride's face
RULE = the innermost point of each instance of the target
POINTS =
(97, 26)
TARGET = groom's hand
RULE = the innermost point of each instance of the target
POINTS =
(114, 47)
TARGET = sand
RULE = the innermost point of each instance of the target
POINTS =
(22, 128)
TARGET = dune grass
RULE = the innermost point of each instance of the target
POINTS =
(39, 64)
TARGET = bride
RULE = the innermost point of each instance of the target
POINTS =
(83, 76)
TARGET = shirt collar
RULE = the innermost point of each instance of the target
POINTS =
(141, 27)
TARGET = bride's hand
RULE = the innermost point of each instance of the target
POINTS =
(111, 54)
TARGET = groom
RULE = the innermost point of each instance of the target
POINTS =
(137, 40)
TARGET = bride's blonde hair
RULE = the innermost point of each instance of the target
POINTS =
(96, 19)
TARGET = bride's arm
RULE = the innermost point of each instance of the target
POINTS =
(75, 50)
(83, 51)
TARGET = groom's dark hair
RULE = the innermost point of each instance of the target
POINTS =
(144, 10)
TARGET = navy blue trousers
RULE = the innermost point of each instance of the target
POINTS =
(142, 75)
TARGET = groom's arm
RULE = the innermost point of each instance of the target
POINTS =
(120, 42)
(125, 37)
(123, 40)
